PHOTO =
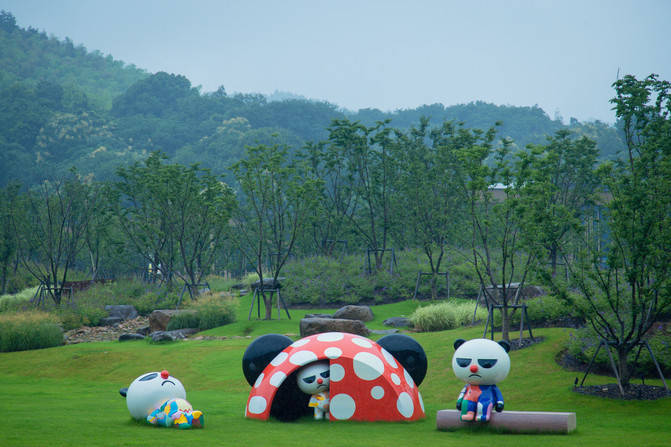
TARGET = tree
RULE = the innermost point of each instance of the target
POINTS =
(9, 206)
(174, 216)
(278, 196)
(58, 214)
(625, 281)
(490, 189)
(433, 211)
(372, 172)
(559, 189)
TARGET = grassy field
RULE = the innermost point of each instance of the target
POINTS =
(68, 396)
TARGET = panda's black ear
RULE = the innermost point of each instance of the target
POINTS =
(505, 345)
(458, 342)
(408, 352)
(260, 353)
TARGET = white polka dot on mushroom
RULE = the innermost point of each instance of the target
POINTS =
(332, 352)
(408, 378)
(342, 406)
(362, 342)
(367, 366)
(257, 405)
(301, 358)
(301, 342)
(377, 392)
(279, 359)
(330, 336)
(421, 401)
(337, 372)
(395, 379)
(258, 380)
(389, 358)
(404, 405)
(277, 379)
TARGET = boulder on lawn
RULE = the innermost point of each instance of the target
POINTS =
(122, 311)
(130, 337)
(159, 319)
(351, 312)
(311, 326)
(397, 322)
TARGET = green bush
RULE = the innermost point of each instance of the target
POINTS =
(583, 342)
(12, 302)
(74, 315)
(444, 316)
(210, 311)
(544, 310)
(29, 330)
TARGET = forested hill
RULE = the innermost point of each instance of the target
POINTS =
(63, 106)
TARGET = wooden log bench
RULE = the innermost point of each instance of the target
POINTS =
(514, 421)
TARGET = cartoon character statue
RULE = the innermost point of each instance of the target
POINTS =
(481, 363)
(160, 399)
(314, 380)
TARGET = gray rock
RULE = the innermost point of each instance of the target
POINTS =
(268, 283)
(397, 322)
(144, 330)
(110, 321)
(130, 337)
(310, 326)
(351, 312)
(159, 319)
(179, 334)
(384, 331)
(318, 316)
(123, 311)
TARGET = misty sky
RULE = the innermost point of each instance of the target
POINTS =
(562, 55)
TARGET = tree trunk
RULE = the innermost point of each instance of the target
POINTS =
(622, 365)
(268, 302)
(505, 324)
(434, 286)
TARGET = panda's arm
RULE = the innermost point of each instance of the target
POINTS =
(499, 398)
(461, 397)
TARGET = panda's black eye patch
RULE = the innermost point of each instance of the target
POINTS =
(487, 363)
(149, 377)
(325, 374)
(309, 379)
(463, 362)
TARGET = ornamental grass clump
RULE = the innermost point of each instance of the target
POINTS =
(210, 311)
(20, 331)
(444, 316)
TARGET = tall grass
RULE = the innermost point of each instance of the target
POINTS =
(445, 315)
(20, 331)
(14, 301)
(210, 311)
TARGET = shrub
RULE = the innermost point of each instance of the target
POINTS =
(583, 343)
(444, 316)
(29, 330)
(74, 315)
(544, 310)
(15, 301)
(210, 311)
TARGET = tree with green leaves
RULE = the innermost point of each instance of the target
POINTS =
(625, 276)
(278, 195)
(9, 208)
(173, 215)
(371, 170)
(57, 216)
(433, 211)
(558, 191)
(490, 187)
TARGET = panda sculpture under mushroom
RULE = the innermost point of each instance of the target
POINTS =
(361, 380)
(481, 363)
(160, 399)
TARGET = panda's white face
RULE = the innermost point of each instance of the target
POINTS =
(481, 362)
(314, 378)
(150, 390)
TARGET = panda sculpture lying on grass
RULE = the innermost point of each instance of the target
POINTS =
(160, 399)
(481, 363)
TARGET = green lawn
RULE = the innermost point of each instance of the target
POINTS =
(69, 396)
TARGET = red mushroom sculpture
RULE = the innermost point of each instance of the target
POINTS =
(367, 382)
